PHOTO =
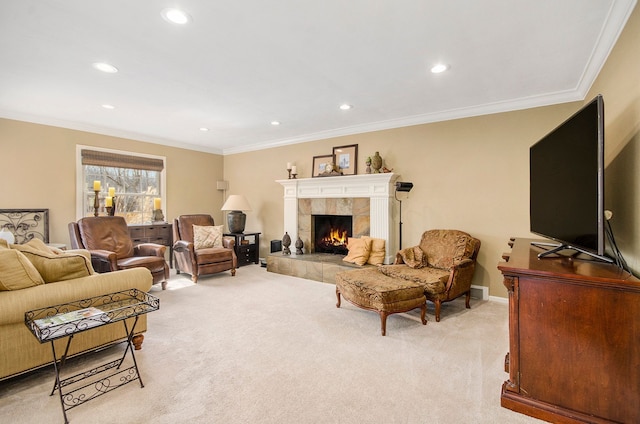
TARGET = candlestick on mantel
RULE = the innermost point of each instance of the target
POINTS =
(96, 185)
(108, 201)
(112, 191)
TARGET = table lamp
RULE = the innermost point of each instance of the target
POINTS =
(235, 204)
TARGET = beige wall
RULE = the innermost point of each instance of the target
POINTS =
(470, 174)
(39, 171)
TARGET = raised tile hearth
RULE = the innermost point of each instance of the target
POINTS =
(314, 266)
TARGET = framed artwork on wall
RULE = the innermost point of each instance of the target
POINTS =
(346, 159)
(319, 164)
(26, 224)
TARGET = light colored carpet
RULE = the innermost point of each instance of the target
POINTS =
(266, 348)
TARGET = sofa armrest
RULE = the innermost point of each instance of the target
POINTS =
(149, 249)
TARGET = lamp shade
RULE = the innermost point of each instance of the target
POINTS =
(236, 219)
(7, 235)
(236, 202)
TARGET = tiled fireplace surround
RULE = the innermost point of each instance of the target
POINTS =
(367, 198)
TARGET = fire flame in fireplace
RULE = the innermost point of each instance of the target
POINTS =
(336, 237)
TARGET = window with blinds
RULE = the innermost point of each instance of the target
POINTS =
(135, 180)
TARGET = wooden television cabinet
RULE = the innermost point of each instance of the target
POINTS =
(574, 338)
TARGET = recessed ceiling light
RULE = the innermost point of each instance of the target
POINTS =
(176, 16)
(275, 123)
(440, 67)
(105, 67)
(108, 106)
(345, 106)
(204, 129)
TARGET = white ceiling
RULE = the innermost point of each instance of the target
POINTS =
(241, 64)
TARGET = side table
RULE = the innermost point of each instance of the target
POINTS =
(68, 319)
(247, 247)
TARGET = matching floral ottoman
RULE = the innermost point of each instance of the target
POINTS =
(370, 289)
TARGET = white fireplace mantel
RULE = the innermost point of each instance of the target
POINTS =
(379, 188)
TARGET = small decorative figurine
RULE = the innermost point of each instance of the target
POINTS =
(286, 242)
(299, 246)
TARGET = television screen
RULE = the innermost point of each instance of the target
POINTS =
(567, 181)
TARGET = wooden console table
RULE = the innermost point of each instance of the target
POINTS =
(574, 338)
(153, 233)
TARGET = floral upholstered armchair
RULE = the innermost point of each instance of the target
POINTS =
(443, 264)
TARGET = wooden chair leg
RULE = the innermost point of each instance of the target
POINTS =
(438, 303)
(383, 322)
(423, 312)
(338, 296)
(467, 299)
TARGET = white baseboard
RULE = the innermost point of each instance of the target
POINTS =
(498, 299)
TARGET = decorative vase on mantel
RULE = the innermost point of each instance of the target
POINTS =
(299, 246)
(376, 163)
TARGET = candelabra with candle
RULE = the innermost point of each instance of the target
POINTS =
(96, 199)
(294, 172)
(289, 169)
(110, 202)
(158, 216)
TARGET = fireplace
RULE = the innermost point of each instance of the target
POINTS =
(330, 233)
(368, 198)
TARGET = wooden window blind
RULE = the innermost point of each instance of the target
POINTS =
(99, 158)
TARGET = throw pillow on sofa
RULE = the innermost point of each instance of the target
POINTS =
(16, 271)
(55, 266)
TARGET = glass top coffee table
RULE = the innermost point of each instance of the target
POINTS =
(68, 319)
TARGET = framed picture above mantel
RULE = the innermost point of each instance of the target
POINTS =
(346, 159)
(321, 165)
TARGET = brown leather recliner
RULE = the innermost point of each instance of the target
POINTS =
(205, 261)
(107, 239)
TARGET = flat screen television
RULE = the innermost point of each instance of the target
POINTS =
(567, 184)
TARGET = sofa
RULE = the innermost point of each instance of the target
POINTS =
(35, 276)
